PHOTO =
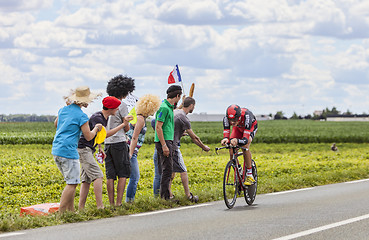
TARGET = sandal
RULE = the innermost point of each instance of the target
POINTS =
(193, 198)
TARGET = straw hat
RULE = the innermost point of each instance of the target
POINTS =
(82, 95)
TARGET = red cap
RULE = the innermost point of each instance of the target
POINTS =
(111, 102)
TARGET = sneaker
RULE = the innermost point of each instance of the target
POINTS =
(193, 198)
(249, 180)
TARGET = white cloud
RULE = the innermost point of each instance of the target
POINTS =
(195, 12)
(270, 54)
(74, 53)
(47, 35)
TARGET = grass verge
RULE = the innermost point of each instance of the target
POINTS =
(29, 176)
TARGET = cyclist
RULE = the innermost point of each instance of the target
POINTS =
(244, 127)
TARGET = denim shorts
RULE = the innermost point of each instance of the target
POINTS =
(69, 168)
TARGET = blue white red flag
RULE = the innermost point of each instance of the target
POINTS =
(174, 76)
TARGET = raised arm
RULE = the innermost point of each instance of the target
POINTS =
(90, 134)
(124, 125)
(197, 140)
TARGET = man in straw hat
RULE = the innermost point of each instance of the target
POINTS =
(117, 163)
(90, 170)
(164, 134)
(71, 121)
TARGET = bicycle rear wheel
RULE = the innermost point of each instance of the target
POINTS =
(250, 191)
(230, 185)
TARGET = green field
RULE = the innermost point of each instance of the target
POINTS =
(28, 174)
(283, 131)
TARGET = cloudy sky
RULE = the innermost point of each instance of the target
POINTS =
(281, 55)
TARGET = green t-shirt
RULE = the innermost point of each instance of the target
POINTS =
(165, 115)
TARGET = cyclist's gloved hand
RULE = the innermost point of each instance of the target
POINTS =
(234, 142)
(224, 141)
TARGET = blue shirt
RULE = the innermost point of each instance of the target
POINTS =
(68, 131)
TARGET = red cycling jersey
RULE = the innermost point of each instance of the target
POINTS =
(246, 127)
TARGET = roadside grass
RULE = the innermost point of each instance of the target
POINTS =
(28, 176)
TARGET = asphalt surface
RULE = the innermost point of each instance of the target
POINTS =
(337, 211)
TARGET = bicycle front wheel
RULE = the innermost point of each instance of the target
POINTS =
(230, 185)
(250, 191)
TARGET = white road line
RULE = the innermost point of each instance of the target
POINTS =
(290, 191)
(170, 210)
(304, 189)
(323, 228)
(358, 181)
(10, 234)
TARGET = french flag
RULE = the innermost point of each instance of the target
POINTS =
(174, 76)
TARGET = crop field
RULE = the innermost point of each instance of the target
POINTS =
(291, 131)
(28, 174)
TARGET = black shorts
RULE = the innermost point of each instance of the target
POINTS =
(178, 162)
(117, 163)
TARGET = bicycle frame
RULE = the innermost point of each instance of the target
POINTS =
(233, 183)
(236, 163)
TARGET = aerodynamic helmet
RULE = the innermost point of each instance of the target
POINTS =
(233, 112)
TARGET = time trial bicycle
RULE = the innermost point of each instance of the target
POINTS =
(234, 177)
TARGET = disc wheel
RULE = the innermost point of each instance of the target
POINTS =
(250, 191)
(230, 185)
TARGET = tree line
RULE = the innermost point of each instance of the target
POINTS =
(318, 115)
(26, 118)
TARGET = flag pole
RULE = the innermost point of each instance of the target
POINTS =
(180, 77)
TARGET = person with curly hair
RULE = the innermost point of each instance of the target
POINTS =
(146, 106)
(117, 162)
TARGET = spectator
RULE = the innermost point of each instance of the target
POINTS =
(90, 170)
(117, 162)
(146, 106)
(164, 134)
(157, 176)
(71, 121)
(181, 125)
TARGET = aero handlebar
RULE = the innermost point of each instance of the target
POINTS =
(227, 146)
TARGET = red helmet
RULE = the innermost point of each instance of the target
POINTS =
(233, 112)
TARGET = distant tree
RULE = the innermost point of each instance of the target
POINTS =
(348, 112)
(294, 116)
(335, 111)
(308, 116)
(278, 115)
(327, 112)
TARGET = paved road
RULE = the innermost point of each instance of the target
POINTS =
(338, 211)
